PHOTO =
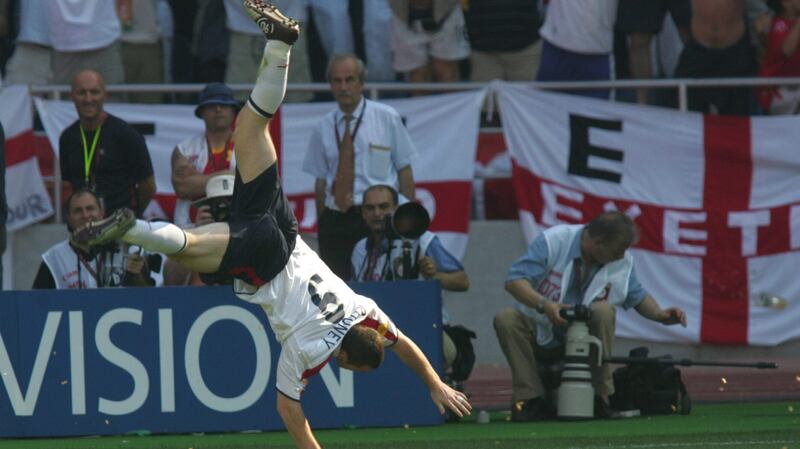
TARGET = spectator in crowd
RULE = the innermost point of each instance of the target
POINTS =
(85, 35)
(377, 42)
(142, 53)
(200, 42)
(428, 39)
(70, 265)
(102, 152)
(30, 62)
(332, 20)
(504, 37)
(564, 266)
(640, 21)
(578, 38)
(214, 207)
(379, 257)
(184, 13)
(197, 158)
(782, 58)
(358, 144)
(719, 47)
(210, 41)
(3, 205)
(247, 45)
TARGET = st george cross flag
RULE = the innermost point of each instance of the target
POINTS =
(443, 127)
(716, 200)
(27, 198)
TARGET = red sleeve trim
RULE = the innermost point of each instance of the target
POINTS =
(382, 329)
(312, 371)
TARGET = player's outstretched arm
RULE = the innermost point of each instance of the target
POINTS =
(291, 412)
(441, 393)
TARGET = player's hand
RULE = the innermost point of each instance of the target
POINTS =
(427, 267)
(134, 264)
(674, 315)
(445, 396)
(203, 216)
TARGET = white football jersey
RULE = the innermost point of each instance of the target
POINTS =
(310, 310)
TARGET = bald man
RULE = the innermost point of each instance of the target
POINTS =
(102, 152)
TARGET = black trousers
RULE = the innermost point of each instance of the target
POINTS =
(738, 60)
(338, 233)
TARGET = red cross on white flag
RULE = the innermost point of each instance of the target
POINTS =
(717, 201)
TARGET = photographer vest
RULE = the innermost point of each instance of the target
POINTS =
(69, 271)
(610, 283)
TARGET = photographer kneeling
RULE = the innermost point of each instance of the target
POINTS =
(564, 266)
(402, 248)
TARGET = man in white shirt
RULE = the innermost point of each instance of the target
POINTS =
(577, 41)
(85, 35)
(358, 144)
(313, 313)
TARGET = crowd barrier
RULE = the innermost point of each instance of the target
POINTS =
(182, 359)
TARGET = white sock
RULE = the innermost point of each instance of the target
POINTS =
(270, 86)
(160, 236)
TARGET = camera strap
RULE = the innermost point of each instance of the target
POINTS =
(95, 271)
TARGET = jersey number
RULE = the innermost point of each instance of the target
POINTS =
(328, 303)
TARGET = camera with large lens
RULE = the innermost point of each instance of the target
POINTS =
(408, 222)
(576, 393)
(579, 312)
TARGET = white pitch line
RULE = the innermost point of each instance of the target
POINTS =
(695, 444)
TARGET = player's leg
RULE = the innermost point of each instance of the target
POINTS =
(253, 146)
(200, 249)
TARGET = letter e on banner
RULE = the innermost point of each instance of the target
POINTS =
(580, 149)
(674, 234)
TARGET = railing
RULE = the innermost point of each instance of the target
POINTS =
(374, 90)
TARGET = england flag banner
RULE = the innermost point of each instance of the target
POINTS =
(716, 201)
(444, 129)
(27, 198)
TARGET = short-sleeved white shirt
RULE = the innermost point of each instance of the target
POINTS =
(581, 26)
(80, 26)
(382, 148)
(34, 26)
(310, 310)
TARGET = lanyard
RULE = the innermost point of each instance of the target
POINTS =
(355, 130)
(99, 262)
(88, 154)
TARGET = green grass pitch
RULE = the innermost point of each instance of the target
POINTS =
(774, 425)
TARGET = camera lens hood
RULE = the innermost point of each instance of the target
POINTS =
(409, 221)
